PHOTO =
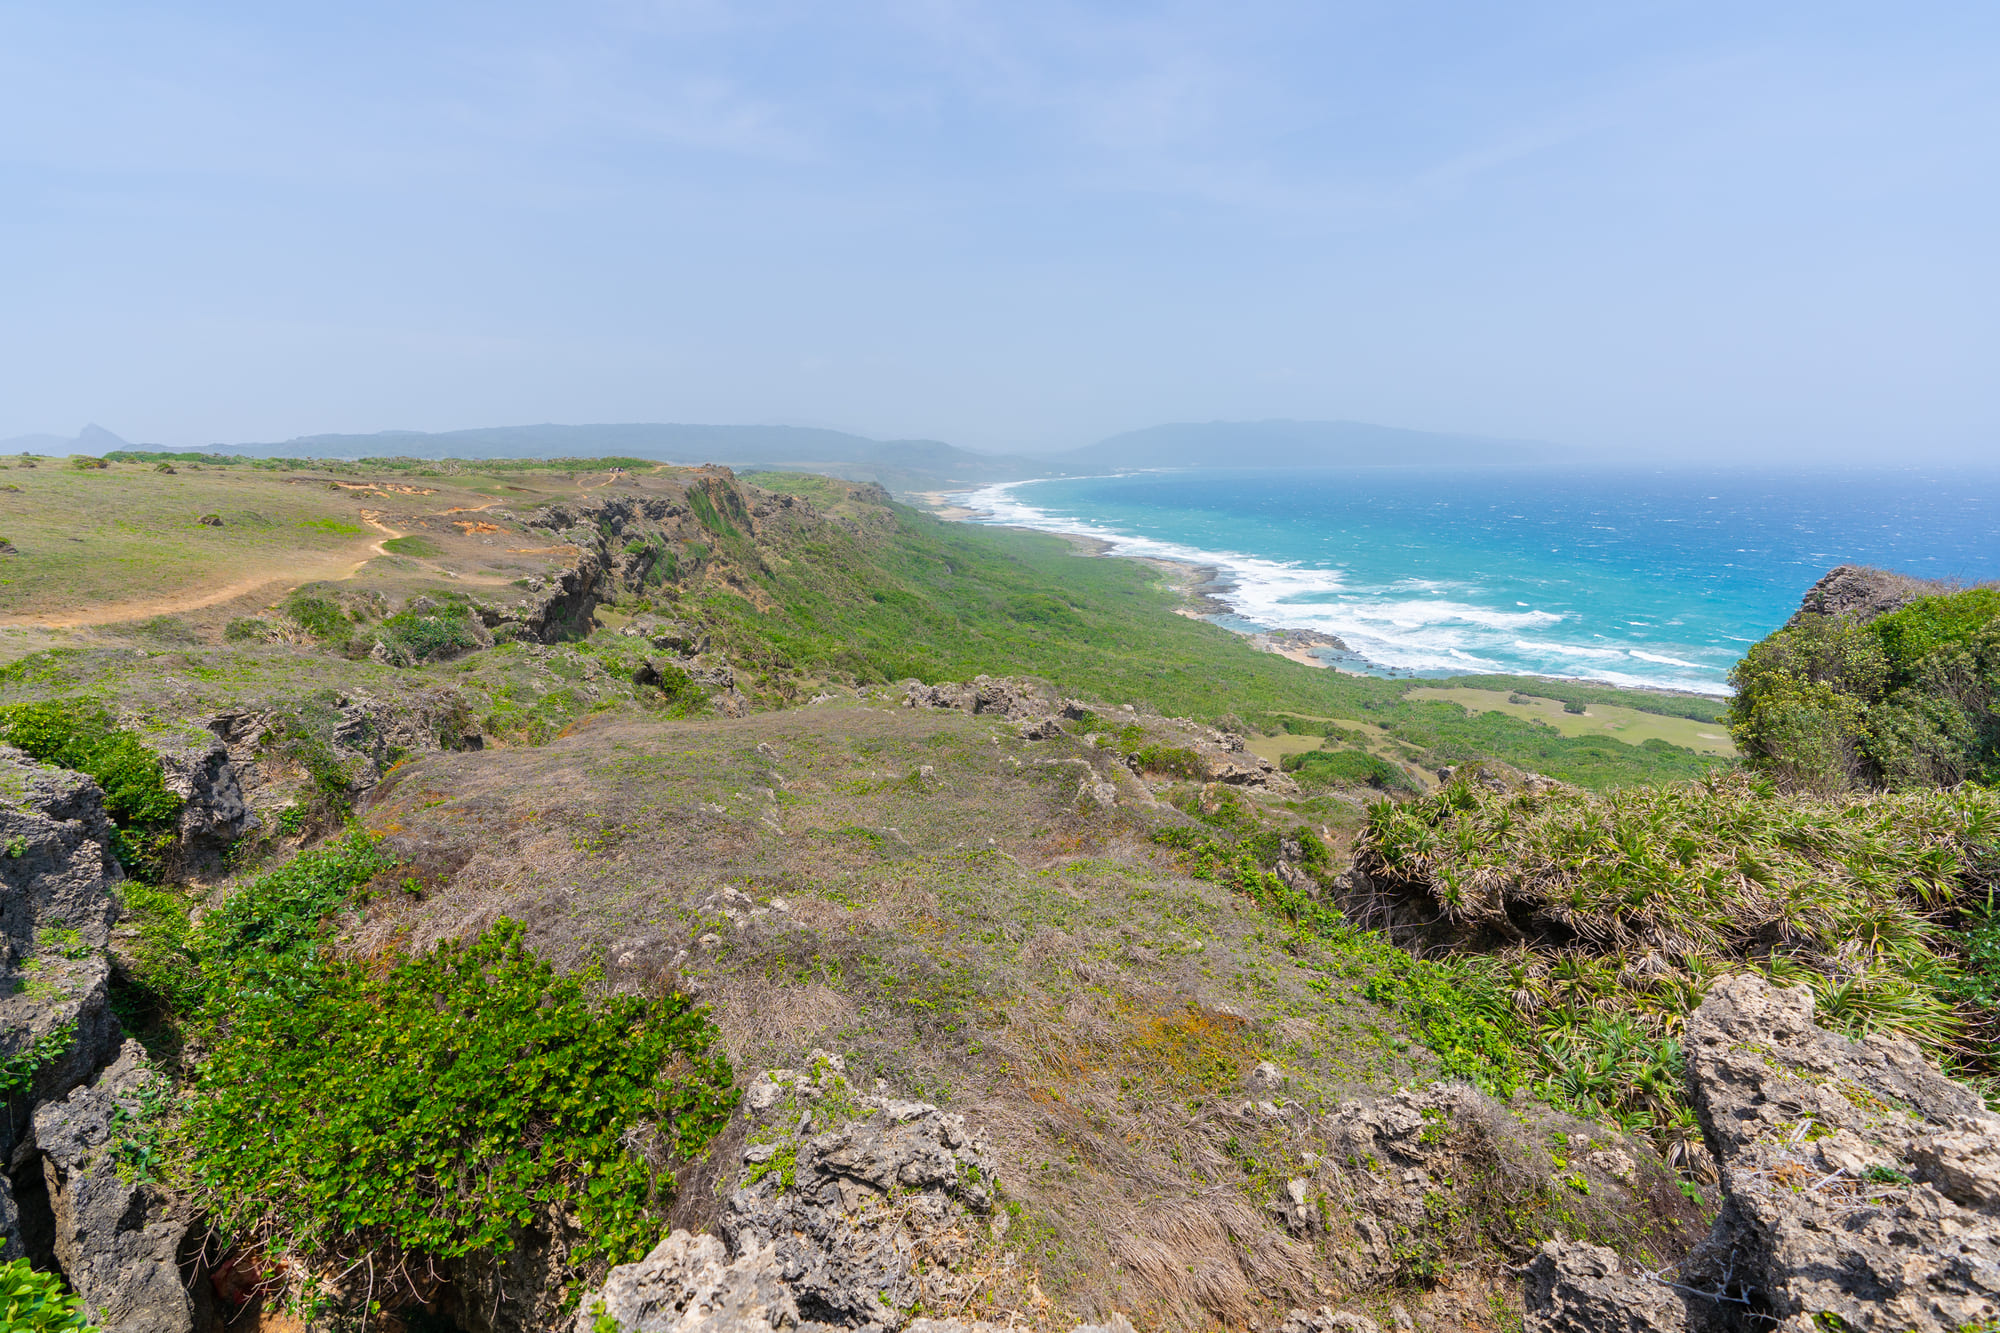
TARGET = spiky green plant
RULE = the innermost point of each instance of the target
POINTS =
(1612, 914)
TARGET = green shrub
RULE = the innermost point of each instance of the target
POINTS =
(85, 463)
(276, 923)
(412, 637)
(247, 629)
(318, 615)
(1326, 768)
(416, 1108)
(423, 548)
(436, 1108)
(1171, 760)
(81, 734)
(32, 1302)
(1903, 701)
(1914, 632)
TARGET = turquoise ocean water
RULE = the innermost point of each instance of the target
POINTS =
(1638, 577)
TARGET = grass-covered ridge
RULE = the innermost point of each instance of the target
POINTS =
(901, 594)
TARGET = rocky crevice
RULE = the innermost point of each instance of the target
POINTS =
(1862, 1190)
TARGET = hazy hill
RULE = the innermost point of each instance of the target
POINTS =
(1294, 444)
(902, 463)
(91, 439)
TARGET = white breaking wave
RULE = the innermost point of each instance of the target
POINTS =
(1386, 626)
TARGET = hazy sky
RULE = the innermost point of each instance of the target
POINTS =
(1645, 226)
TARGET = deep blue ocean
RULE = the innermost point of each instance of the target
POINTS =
(1639, 577)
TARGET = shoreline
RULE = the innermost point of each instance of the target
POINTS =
(1197, 585)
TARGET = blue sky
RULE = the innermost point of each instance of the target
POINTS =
(1700, 229)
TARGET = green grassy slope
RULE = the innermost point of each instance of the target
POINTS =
(942, 601)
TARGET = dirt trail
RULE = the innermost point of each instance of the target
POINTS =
(322, 568)
(319, 568)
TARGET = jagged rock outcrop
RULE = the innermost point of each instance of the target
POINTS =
(1036, 708)
(627, 542)
(362, 735)
(1217, 756)
(850, 1253)
(1858, 592)
(117, 1244)
(213, 812)
(56, 911)
(1398, 1156)
(850, 1208)
(118, 1241)
(1862, 1188)
(689, 1284)
(1573, 1285)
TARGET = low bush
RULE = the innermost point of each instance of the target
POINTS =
(318, 615)
(34, 1302)
(81, 734)
(439, 1107)
(1903, 701)
(1170, 760)
(423, 548)
(415, 1108)
(1328, 768)
(429, 633)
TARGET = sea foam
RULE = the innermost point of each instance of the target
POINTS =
(1402, 626)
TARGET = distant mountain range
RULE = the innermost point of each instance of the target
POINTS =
(898, 464)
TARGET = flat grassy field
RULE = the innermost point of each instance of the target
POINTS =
(126, 542)
(1275, 748)
(1623, 724)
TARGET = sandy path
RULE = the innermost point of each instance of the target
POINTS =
(328, 568)
(322, 568)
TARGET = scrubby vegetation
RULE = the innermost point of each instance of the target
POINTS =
(417, 1108)
(1905, 700)
(1317, 769)
(81, 734)
(1593, 925)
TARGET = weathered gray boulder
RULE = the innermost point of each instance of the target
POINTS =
(55, 853)
(118, 1242)
(10, 1223)
(1575, 1287)
(689, 1284)
(213, 812)
(1860, 1186)
(849, 1208)
(864, 1214)
(1326, 1319)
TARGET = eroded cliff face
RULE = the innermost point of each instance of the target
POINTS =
(715, 533)
(1861, 593)
(1862, 1190)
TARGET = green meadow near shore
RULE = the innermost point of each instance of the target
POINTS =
(524, 868)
